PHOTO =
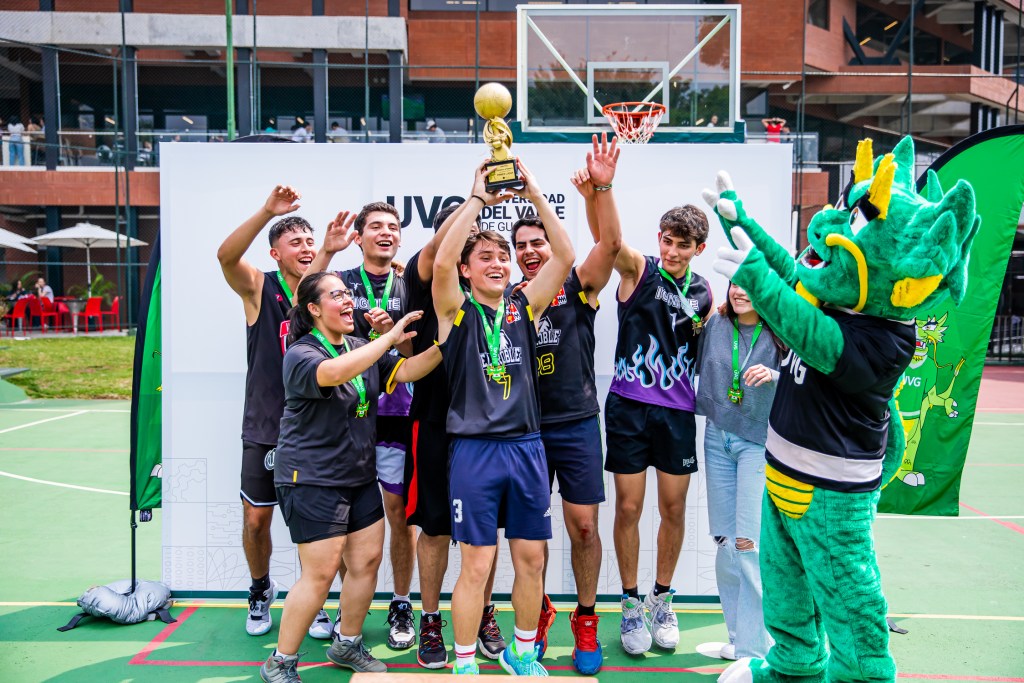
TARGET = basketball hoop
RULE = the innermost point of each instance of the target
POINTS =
(634, 122)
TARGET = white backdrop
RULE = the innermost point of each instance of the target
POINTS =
(209, 189)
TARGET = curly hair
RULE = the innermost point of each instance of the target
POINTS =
(685, 222)
(288, 224)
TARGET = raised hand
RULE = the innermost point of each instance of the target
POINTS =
(581, 181)
(398, 334)
(724, 202)
(531, 188)
(730, 260)
(379, 320)
(339, 232)
(283, 199)
(602, 160)
(480, 187)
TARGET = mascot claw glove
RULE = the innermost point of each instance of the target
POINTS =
(729, 260)
(845, 308)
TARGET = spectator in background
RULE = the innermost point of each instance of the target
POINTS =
(302, 132)
(17, 291)
(773, 127)
(713, 123)
(147, 157)
(271, 125)
(15, 128)
(34, 140)
(434, 134)
(337, 133)
(43, 290)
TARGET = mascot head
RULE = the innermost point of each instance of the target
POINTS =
(885, 250)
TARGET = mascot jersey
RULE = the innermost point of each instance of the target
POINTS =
(830, 430)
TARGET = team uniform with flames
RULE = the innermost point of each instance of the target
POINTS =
(649, 412)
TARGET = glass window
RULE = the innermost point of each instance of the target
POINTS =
(817, 13)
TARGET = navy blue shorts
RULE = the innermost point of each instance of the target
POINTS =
(499, 478)
(574, 453)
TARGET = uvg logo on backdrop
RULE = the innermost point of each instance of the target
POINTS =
(423, 208)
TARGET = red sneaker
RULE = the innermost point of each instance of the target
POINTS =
(587, 656)
(547, 618)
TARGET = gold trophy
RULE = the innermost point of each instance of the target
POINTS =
(493, 102)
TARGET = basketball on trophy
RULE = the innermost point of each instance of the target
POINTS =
(492, 100)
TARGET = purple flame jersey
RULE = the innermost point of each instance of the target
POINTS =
(656, 352)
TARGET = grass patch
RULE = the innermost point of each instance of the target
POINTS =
(80, 367)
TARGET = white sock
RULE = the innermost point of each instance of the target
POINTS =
(525, 640)
(464, 654)
(431, 614)
(278, 653)
(400, 598)
(347, 639)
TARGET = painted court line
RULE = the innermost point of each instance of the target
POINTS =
(69, 450)
(39, 422)
(142, 658)
(66, 410)
(57, 483)
(943, 518)
(1009, 525)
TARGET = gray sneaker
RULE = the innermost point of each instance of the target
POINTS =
(354, 655)
(634, 632)
(664, 625)
(259, 621)
(281, 669)
(321, 627)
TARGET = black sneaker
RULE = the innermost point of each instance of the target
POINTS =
(489, 639)
(402, 634)
(432, 654)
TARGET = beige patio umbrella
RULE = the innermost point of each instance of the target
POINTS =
(12, 240)
(87, 236)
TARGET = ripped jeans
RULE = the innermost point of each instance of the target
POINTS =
(734, 471)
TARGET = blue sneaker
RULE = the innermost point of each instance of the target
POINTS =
(471, 668)
(587, 656)
(521, 665)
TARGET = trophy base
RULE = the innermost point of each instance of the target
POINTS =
(503, 175)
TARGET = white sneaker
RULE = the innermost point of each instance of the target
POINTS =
(260, 621)
(321, 626)
(634, 632)
(728, 651)
(664, 625)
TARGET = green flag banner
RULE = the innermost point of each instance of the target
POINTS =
(939, 392)
(147, 402)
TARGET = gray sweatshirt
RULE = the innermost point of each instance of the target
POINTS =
(749, 419)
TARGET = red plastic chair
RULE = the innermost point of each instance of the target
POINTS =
(37, 311)
(92, 310)
(52, 310)
(114, 312)
(17, 313)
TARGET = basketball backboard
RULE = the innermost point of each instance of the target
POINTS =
(573, 59)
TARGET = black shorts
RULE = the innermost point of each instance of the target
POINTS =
(641, 435)
(258, 474)
(426, 481)
(573, 450)
(314, 513)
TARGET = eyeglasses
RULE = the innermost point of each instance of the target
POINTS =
(339, 295)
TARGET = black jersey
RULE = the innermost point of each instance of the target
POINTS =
(565, 355)
(323, 442)
(396, 404)
(481, 406)
(656, 351)
(264, 348)
(430, 396)
(830, 430)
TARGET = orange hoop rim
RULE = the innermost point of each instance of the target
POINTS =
(650, 108)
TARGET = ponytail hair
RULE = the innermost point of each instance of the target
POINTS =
(300, 320)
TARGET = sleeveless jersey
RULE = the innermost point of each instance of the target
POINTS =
(480, 406)
(430, 397)
(830, 430)
(397, 403)
(264, 348)
(565, 356)
(656, 351)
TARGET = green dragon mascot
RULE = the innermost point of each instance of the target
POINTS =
(846, 309)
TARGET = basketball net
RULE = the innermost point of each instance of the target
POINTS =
(634, 122)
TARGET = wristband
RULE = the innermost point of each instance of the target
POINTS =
(603, 188)
(482, 200)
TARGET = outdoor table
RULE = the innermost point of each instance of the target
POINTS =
(75, 307)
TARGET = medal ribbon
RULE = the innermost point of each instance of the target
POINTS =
(369, 288)
(737, 367)
(493, 336)
(284, 286)
(356, 381)
(683, 301)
